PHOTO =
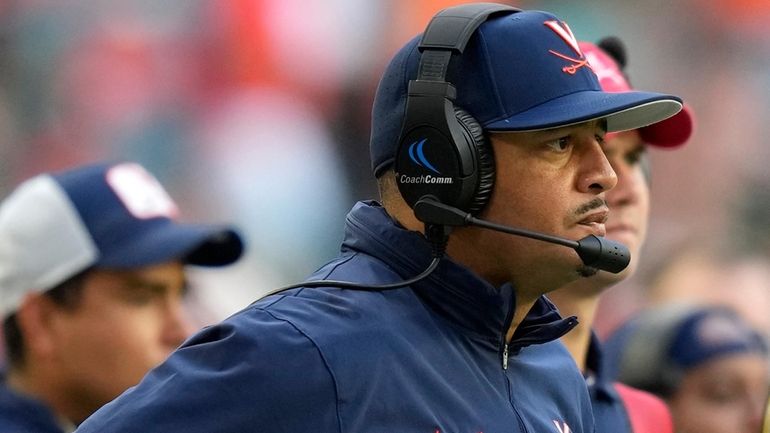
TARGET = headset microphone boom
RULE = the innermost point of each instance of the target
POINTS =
(594, 251)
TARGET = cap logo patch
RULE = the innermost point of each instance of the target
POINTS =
(718, 330)
(564, 32)
(140, 192)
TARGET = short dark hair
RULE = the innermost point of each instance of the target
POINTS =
(67, 294)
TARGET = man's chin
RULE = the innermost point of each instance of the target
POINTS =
(587, 271)
(603, 279)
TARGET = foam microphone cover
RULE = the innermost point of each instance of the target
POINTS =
(604, 254)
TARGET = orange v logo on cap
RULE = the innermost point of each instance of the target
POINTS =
(563, 30)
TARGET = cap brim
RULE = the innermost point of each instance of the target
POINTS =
(623, 111)
(672, 132)
(168, 241)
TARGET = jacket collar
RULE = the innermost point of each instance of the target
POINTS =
(452, 290)
(599, 382)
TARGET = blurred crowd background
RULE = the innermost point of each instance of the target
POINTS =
(256, 112)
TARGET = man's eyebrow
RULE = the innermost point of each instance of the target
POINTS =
(156, 286)
(141, 283)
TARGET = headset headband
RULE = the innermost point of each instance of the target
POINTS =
(442, 151)
(448, 32)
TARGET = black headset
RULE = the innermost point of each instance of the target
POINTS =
(442, 152)
(445, 170)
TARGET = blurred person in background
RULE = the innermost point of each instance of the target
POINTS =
(722, 269)
(91, 286)
(715, 272)
(618, 408)
(707, 362)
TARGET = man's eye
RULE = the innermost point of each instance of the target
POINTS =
(633, 158)
(559, 144)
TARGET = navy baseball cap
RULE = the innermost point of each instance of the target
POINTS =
(111, 216)
(522, 71)
(657, 348)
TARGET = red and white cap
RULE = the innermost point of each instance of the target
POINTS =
(671, 132)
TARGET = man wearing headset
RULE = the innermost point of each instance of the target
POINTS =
(618, 408)
(472, 346)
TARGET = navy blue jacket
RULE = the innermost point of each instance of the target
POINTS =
(611, 410)
(19, 413)
(610, 413)
(427, 358)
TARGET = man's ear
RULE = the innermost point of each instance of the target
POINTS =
(36, 324)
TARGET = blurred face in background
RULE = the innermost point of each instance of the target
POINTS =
(723, 395)
(629, 201)
(699, 274)
(125, 323)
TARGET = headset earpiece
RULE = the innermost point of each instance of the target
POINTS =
(442, 151)
(439, 157)
(484, 157)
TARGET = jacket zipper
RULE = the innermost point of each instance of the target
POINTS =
(506, 325)
(505, 351)
(505, 356)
